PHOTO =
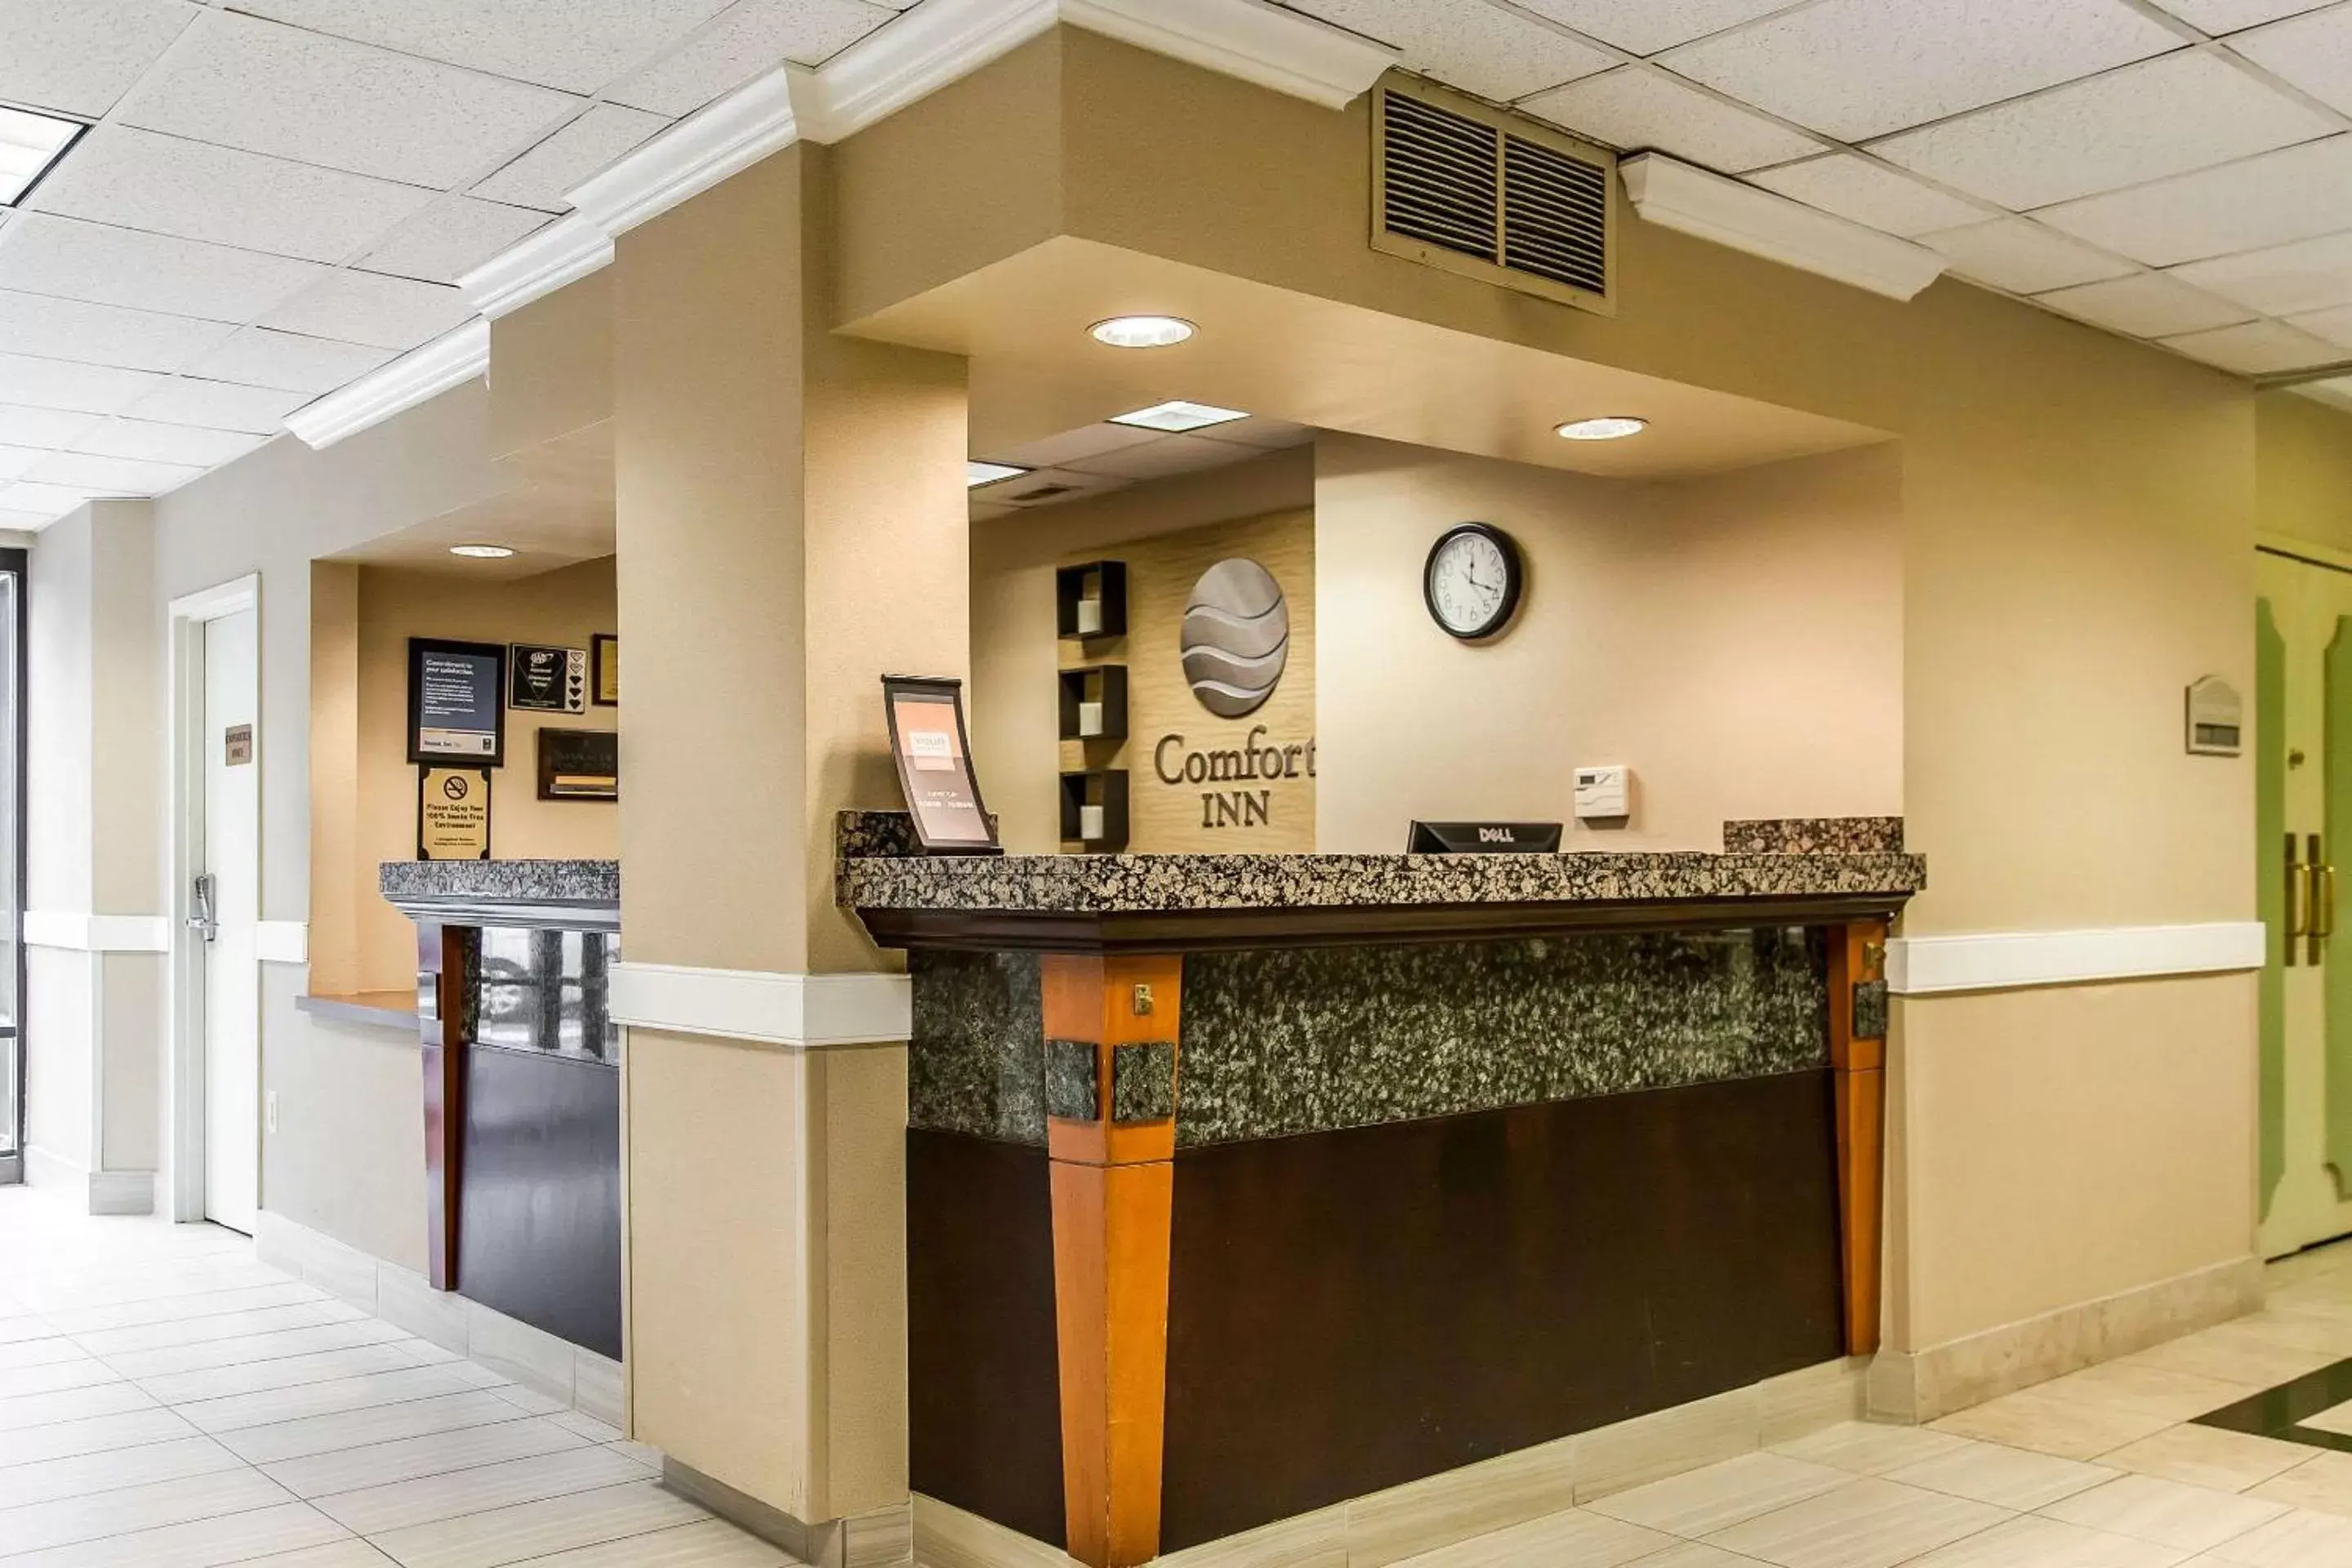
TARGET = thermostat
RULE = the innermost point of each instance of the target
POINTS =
(1601, 795)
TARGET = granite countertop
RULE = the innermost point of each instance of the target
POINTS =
(579, 895)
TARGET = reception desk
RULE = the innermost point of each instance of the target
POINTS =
(1241, 1185)
(522, 1086)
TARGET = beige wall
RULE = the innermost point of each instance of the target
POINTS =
(1735, 641)
(2304, 480)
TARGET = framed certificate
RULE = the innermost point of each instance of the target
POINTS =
(547, 679)
(605, 680)
(456, 702)
(934, 755)
(579, 764)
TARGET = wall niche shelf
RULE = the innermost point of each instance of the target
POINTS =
(1094, 810)
(1094, 702)
(1090, 601)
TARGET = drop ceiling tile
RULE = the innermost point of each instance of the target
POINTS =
(1859, 189)
(259, 357)
(52, 501)
(41, 253)
(80, 56)
(1645, 27)
(2257, 348)
(2296, 193)
(2313, 52)
(1492, 52)
(61, 383)
(1073, 445)
(15, 460)
(2334, 325)
(111, 476)
(2228, 15)
(369, 308)
(546, 174)
(24, 521)
(218, 405)
(23, 427)
(1638, 107)
(2162, 116)
(138, 179)
(247, 83)
(2020, 255)
(2145, 305)
(576, 44)
(103, 334)
(1066, 484)
(753, 36)
(450, 238)
(2283, 280)
(1163, 456)
(1858, 68)
(154, 442)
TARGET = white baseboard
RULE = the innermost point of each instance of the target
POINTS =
(75, 930)
(804, 1011)
(281, 942)
(1998, 961)
(100, 1192)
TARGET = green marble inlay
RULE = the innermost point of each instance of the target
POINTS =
(1870, 1010)
(1284, 1041)
(1143, 1082)
(1071, 1092)
(977, 1061)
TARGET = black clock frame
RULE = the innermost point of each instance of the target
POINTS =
(1512, 574)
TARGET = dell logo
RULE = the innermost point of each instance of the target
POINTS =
(1496, 835)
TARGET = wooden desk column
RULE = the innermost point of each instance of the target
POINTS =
(1858, 1010)
(1111, 1100)
(447, 960)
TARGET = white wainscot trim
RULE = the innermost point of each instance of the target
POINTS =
(803, 1011)
(281, 942)
(77, 932)
(1998, 961)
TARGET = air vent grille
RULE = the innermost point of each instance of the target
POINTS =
(1470, 189)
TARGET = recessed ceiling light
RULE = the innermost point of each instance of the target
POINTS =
(482, 552)
(1608, 428)
(29, 143)
(977, 473)
(1178, 414)
(1142, 332)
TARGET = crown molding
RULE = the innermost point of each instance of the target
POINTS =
(919, 53)
(2335, 392)
(1763, 223)
(450, 360)
(714, 141)
(1285, 50)
(564, 252)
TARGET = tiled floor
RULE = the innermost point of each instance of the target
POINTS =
(167, 1401)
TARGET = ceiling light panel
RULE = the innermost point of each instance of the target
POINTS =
(243, 82)
(2313, 52)
(2020, 255)
(256, 356)
(61, 383)
(2258, 348)
(2308, 275)
(104, 334)
(578, 46)
(41, 253)
(750, 38)
(1637, 107)
(2187, 110)
(1645, 27)
(451, 238)
(1858, 68)
(29, 143)
(1480, 48)
(542, 177)
(1859, 189)
(215, 406)
(977, 473)
(2145, 305)
(81, 56)
(2296, 193)
(1177, 414)
(372, 308)
(138, 179)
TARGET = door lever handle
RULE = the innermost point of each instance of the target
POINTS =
(2298, 901)
(203, 917)
(2319, 914)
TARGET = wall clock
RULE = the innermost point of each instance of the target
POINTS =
(1471, 583)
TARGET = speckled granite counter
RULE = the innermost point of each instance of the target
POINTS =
(571, 895)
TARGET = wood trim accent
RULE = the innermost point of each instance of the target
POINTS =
(1858, 1064)
(1113, 1188)
(446, 957)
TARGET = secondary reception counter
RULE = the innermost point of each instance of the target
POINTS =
(1241, 1185)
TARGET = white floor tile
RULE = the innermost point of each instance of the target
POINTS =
(1870, 1448)
(1574, 1539)
(2148, 1507)
(238, 1538)
(536, 1528)
(71, 1405)
(360, 1429)
(199, 1355)
(2005, 1478)
(38, 1351)
(2048, 1543)
(84, 1474)
(335, 1397)
(81, 1371)
(1721, 1495)
(2300, 1539)
(1868, 1523)
(438, 1453)
(397, 1505)
(284, 1372)
(121, 1512)
(714, 1544)
(64, 1439)
(243, 1323)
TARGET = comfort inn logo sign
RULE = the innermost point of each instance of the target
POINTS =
(1234, 645)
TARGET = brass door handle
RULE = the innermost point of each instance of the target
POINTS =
(2319, 911)
(2298, 900)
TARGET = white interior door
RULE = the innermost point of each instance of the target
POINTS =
(228, 871)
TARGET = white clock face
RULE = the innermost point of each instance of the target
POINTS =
(1468, 582)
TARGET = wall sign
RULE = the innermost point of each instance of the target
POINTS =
(604, 684)
(1236, 637)
(453, 814)
(579, 764)
(1244, 801)
(457, 701)
(237, 744)
(548, 679)
(2217, 719)
(934, 754)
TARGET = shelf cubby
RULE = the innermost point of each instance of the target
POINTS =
(1090, 601)
(1094, 809)
(1094, 702)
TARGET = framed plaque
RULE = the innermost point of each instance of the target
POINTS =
(456, 702)
(453, 814)
(604, 679)
(547, 679)
(579, 764)
(934, 756)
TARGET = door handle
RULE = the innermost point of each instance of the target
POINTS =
(2319, 919)
(204, 909)
(2298, 900)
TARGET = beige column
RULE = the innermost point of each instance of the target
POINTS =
(792, 525)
